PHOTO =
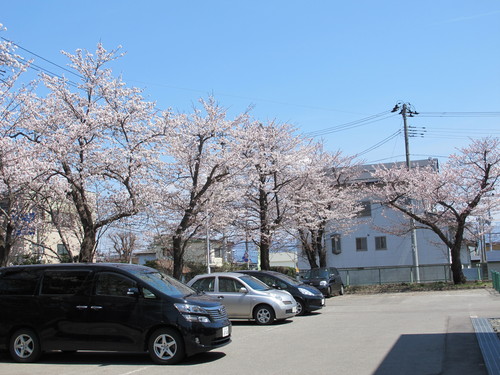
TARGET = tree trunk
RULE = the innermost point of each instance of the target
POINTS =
(264, 245)
(320, 249)
(4, 254)
(88, 246)
(178, 253)
(265, 231)
(308, 248)
(6, 245)
(456, 264)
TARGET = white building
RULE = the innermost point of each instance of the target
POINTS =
(368, 253)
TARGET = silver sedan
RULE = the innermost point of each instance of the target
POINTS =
(245, 297)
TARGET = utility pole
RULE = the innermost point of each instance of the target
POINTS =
(208, 241)
(405, 111)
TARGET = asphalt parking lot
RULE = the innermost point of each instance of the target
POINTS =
(408, 333)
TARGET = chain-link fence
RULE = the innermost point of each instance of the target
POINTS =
(406, 274)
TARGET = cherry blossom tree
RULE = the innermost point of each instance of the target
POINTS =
(124, 244)
(446, 201)
(202, 156)
(275, 156)
(98, 138)
(326, 193)
(18, 168)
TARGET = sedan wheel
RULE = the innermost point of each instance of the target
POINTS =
(166, 347)
(24, 346)
(263, 315)
(341, 291)
(329, 291)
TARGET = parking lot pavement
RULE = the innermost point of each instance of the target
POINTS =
(407, 333)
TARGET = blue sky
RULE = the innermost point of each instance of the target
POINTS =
(316, 64)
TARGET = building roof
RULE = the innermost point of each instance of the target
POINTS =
(367, 170)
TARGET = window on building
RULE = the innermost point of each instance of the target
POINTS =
(366, 209)
(218, 252)
(381, 243)
(336, 245)
(361, 244)
(61, 250)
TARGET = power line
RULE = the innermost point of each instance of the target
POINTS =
(459, 114)
(350, 125)
(38, 68)
(44, 59)
(382, 142)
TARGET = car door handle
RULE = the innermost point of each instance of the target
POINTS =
(96, 307)
(81, 307)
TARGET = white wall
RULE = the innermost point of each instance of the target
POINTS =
(431, 250)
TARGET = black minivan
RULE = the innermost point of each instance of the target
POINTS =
(105, 307)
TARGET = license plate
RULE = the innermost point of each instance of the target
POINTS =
(225, 331)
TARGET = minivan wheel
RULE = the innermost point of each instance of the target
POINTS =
(24, 346)
(263, 314)
(166, 346)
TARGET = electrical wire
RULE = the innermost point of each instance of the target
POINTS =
(44, 59)
(350, 125)
(458, 114)
(38, 68)
(377, 145)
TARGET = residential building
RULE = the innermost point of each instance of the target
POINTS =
(196, 252)
(370, 251)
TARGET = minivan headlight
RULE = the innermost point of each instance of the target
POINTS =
(186, 308)
(323, 283)
(306, 292)
(193, 313)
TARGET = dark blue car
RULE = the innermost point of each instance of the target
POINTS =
(326, 279)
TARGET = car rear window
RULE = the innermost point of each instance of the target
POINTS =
(19, 283)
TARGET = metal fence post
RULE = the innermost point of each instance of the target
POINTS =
(495, 276)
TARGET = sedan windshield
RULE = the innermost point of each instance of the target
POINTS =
(289, 280)
(165, 284)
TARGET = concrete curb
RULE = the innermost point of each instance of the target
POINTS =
(489, 344)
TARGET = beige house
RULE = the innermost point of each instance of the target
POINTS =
(44, 243)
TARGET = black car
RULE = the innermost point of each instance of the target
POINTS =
(326, 279)
(308, 298)
(105, 307)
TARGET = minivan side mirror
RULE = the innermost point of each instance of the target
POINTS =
(243, 290)
(133, 292)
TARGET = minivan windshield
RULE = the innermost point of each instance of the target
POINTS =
(164, 283)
